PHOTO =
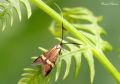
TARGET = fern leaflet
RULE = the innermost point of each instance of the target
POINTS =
(87, 25)
(7, 8)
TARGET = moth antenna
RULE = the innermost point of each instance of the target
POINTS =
(62, 36)
(62, 30)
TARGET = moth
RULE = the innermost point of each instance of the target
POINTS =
(48, 59)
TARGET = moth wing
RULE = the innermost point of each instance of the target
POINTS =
(54, 55)
(49, 52)
(46, 69)
(38, 61)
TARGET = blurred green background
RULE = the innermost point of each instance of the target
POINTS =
(20, 42)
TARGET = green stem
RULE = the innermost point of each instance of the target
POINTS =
(100, 56)
(58, 18)
(107, 64)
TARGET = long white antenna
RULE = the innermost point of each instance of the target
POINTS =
(59, 9)
(61, 22)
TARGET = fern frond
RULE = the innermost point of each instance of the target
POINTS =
(75, 52)
(87, 25)
(7, 9)
(34, 75)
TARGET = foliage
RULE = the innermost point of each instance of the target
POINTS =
(33, 76)
(87, 24)
(81, 27)
(90, 29)
(8, 7)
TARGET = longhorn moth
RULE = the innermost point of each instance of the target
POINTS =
(48, 59)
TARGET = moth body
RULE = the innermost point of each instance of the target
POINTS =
(48, 59)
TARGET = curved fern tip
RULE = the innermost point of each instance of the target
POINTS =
(4, 25)
(7, 7)
(35, 57)
(42, 49)
(28, 7)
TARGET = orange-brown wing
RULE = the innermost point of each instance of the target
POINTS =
(38, 61)
(46, 55)
(54, 54)
(49, 52)
(46, 69)
(48, 59)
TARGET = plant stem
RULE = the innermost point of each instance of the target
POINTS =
(100, 56)
(57, 17)
(107, 64)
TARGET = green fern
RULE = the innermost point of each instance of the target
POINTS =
(82, 24)
(87, 24)
(7, 8)
(34, 75)
(90, 29)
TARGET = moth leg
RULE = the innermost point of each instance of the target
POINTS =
(60, 53)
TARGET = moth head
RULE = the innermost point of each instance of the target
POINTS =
(58, 46)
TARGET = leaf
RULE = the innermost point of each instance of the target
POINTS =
(34, 75)
(28, 7)
(58, 70)
(78, 63)
(7, 8)
(31, 76)
(16, 5)
(90, 60)
(11, 17)
(87, 25)
(3, 23)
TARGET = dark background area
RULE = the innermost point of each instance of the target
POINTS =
(21, 41)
